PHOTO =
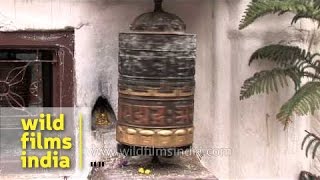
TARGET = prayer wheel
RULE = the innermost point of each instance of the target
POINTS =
(156, 83)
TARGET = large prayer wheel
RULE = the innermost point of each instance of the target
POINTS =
(156, 83)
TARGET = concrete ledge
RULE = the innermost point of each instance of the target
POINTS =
(180, 167)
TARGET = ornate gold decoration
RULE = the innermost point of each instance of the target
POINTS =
(158, 138)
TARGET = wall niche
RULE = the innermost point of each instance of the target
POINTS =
(103, 116)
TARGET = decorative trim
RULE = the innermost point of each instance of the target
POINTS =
(155, 113)
(157, 138)
(153, 92)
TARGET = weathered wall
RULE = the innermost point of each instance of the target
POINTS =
(260, 148)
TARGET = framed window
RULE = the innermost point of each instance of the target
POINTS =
(26, 77)
(36, 70)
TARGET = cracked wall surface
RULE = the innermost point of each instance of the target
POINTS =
(260, 148)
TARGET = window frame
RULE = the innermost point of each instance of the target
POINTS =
(63, 81)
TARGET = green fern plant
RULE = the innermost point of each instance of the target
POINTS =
(292, 62)
(312, 139)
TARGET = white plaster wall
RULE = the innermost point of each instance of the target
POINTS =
(260, 148)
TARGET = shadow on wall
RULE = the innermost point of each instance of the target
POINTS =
(103, 116)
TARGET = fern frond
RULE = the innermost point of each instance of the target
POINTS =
(315, 140)
(299, 16)
(314, 152)
(267, 81)
(309, 145)
(305, 139)
(283, 55)
(306, 100)
(301, 8)
(310, 11)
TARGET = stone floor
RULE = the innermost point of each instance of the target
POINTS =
(180, 167)
(186, 166)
